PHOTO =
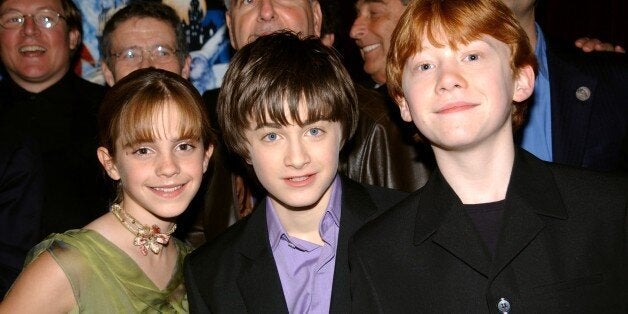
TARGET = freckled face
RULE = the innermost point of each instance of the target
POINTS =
(461, 99)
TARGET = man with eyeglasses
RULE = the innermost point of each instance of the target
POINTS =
(141, 35)
(43, 102)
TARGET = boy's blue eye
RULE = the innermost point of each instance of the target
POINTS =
(315, 131)
(473, 57)
(270, 137)
(425, 67)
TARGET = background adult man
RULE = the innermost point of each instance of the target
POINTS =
(50, 172)
(41, 99)
(378, 154)
(141, 35)
(586, 122)
(580, 110)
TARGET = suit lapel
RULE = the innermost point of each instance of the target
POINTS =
(532, 197)
(440, 213)
(357, 207)
(570, 115)
(259, 282)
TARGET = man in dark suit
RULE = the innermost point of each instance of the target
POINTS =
(42, 98)
(495, 229)
(579, 114)
(287, 106)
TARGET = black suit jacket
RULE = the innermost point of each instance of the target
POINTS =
(562, 248)
(62, 121)
(236, 272)
(589, 105)
(21, 202)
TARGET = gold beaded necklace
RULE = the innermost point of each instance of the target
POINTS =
(147, 238)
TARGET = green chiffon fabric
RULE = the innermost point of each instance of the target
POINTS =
(106, 280)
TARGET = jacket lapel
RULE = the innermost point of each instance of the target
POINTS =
(259, 282)
(440, 213)
(570, 115)
(357, 207)
(532, 196)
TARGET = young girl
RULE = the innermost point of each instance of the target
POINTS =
(155, 143)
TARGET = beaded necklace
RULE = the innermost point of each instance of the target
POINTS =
(147, 238)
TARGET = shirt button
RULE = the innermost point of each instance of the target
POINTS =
(503, 305)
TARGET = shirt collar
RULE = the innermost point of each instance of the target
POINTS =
(56, 91)
(541, 51)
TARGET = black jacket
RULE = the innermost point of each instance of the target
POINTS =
(236, 272)
(562, 248)
(62, 122)
(589, 106)
(21, 202)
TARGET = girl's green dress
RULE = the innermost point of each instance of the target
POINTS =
(105, 279)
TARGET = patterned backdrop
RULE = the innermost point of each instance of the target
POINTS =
(205, 29)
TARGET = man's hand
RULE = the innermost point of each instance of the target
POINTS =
(593, 44)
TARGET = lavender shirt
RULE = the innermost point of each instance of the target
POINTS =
(306, 269)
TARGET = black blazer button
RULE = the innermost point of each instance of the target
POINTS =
(503, 306)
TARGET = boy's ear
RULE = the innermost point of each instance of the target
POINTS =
(403, 108)
(524, 84)
(107, 162)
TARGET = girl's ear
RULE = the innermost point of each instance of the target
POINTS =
(524, 84)
(108, 163)
(208, 154)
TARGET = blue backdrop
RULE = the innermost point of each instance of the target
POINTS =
(204, 24)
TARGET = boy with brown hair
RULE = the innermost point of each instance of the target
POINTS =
(287, 106)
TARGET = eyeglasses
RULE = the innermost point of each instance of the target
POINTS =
(134, 55)
(45, 18)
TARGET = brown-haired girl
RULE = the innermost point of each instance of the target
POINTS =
(155, 143)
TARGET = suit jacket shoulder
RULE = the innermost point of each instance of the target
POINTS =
(589, 107)
(562, 246)
(236, 272)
